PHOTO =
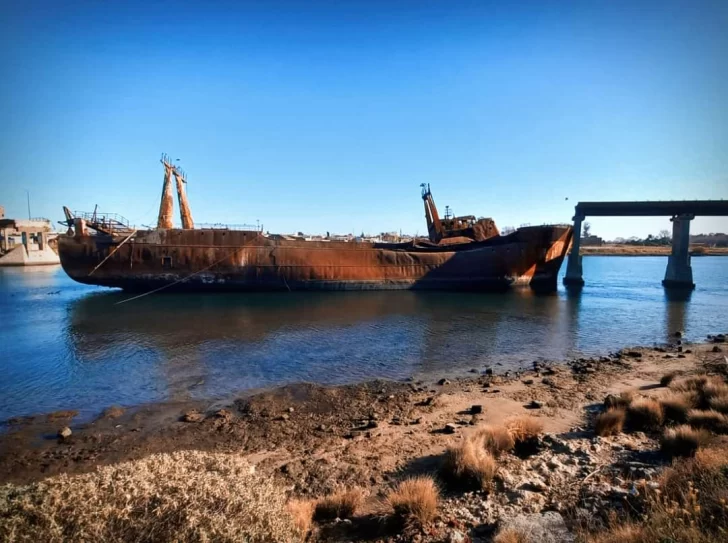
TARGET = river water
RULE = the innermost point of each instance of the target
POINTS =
(68, 346)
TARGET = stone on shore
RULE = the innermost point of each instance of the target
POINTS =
(193, 416)
(548, 527)
(64, 433)
(113, 412)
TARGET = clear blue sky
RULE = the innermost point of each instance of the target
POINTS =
(326, 116)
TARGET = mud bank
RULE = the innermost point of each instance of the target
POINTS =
(316, 440)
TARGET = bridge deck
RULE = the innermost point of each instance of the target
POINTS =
(714, 208)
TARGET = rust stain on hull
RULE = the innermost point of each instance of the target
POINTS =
(213, 259)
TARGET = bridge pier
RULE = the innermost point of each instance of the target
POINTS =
(679, 273)
(573, 276)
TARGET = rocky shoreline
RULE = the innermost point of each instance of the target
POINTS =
(315, 440)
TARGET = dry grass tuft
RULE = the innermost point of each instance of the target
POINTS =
(689, 384)
(302, 513)
(610, 422)
(720, 404)
(341, 505)
(645, 414)
(512, 535)
(696, 384)
(710, 459)
(524, 428)
(682, 441)
(675, 406)
(626, 533)
(708, 420)
(713, 390)
(184, 497)
(668, 378)
(415, 500)
(622, 401)
(495, 439)
(469, 465)
(691, 505)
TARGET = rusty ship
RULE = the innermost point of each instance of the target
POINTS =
(460, 253)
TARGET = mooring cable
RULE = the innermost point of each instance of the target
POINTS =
(180, 280)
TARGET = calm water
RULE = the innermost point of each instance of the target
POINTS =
(65, 345)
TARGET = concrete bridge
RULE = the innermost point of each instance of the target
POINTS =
(679, 274)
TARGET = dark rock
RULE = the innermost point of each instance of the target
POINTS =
(681, 356)
(474, 370)
(528, 381)
(489, 371)
(372, 424)
(717, 349)
(688, 351)
(535, 404)
(634, 354)
(442, 382)
(678, 334)
(322, 427)
(449, 428)
(476, 409)
(548, 381)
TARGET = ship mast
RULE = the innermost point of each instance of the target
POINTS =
(166, 206)
(184, 206)
(434, 226)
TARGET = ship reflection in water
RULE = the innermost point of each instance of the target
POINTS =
(69, 346)
(208, 345)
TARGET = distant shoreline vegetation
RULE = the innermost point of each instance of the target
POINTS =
(713, 244)
(648, 250)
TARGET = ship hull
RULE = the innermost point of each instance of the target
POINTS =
(227, 260)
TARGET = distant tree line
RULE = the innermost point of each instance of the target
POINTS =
(664, 238)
